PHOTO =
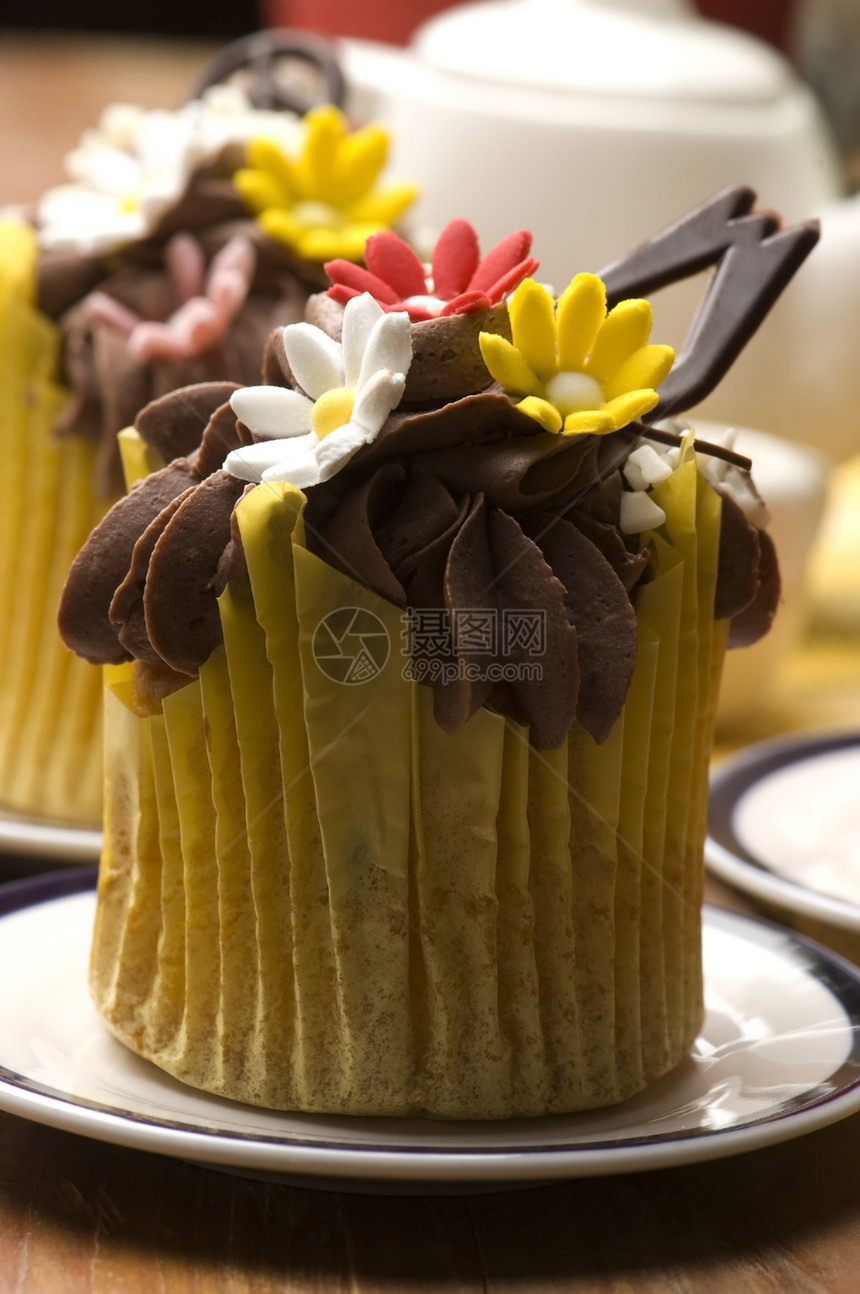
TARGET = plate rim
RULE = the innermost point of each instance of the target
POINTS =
(42, 838)
(725, 855)
(345, 1162)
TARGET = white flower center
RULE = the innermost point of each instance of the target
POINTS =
(431, 304)
(574, 393)
(318, 213)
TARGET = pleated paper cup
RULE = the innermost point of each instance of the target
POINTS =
(50, 701)
(313, 898)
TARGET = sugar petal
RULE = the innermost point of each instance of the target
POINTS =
(272, 411)
(315, 359)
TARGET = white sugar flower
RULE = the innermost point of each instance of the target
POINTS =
(351, 387)
(135, 164)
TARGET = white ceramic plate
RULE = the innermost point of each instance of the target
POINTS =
(41, 839)
(779, 1055)
(784, 826)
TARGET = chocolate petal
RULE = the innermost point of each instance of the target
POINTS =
(208, 200)
(544, 682)
(232, 564)
(180, 605)
(126, 609)
(276, 367)
(738, 576)
(490, 415)
(756, 619)
(125, 386)
(516, 472)
(107, 388)
(103, 562)
(629, 566)
(468, 586)
(64, 278)
(447, 363)
(417, 537)
(493, 575)
(599, 607)
(174, 423)
(223, 433)
(350, 544)
(601, 497)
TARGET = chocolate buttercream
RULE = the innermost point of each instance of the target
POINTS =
(179, 604)
(475, 513)
(100, 613)
(598, 605)
(756, 618)
(109, 384)
(174, 424)
(738, 577)
(105, 560)
(446, 358)
(418, 529)
(462, 506)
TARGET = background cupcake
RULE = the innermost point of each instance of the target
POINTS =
(147, 272)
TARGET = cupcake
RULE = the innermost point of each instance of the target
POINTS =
(150, 271)
(410, 688)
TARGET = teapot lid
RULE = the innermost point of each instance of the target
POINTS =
(654, 49)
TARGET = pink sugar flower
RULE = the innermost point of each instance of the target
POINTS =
(459, 280)
(209, 301)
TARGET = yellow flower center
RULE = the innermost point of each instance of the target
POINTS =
(573, 392)
(332, 410)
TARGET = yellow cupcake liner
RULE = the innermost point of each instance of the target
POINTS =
(50, 701)
(313, 898)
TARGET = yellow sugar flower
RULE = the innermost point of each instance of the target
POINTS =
(578, 368)
(322, 202)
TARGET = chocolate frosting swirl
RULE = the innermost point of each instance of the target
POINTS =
(108, 384)
(466, 509)
(462, 506)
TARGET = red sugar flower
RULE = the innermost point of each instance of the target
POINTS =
(459, 281)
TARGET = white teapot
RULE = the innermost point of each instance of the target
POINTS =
(594, 123)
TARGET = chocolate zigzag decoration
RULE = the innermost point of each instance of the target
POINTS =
(755, 259)
(286, 69)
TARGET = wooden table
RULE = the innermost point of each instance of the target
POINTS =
(54, 87)
(81, 1216)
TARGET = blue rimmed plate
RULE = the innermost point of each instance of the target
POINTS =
(779, 1055)
(784, 828)
(42, 840)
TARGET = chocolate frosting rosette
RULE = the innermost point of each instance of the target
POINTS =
(152, 268)
(412, 663)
